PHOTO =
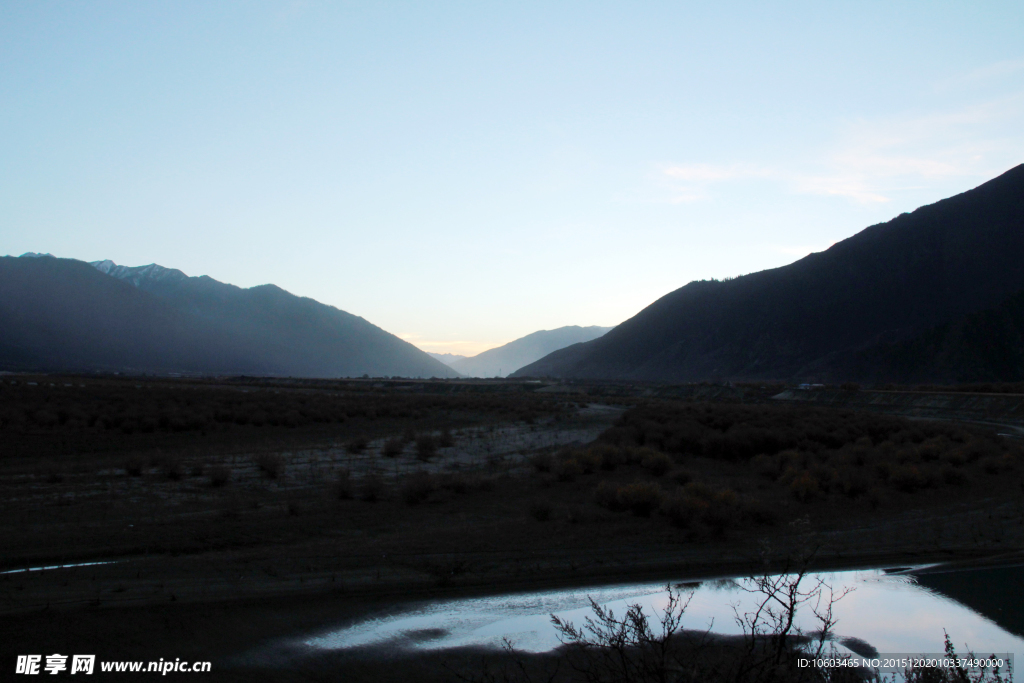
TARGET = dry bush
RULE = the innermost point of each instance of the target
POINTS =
(590, 460)
(805, 487)
(683, 510)
(611, 456)
(540, 510)
(133, 466)
(196, 471)
(357, 445)
(642, 497)
(392, 448)
(446, 440)
(607, 495)
(681, 476)
(567, 469)
(426, 447)
(767, 466)
(219, 475)
(657, 463)
(270, 464)
(343, 485)
(909, 478)
(952, 475)
(698, 504)
(851, 481)
(541, 461)
(371, 487)
(759, 512)
(173, 470)
(417, 487)
(994, 464)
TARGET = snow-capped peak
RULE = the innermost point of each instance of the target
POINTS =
(139, 275)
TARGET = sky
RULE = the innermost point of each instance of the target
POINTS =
(463, 174)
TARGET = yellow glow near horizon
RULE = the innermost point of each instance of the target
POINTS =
(458, 347)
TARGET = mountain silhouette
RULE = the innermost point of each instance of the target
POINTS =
(504, 360)
(64, 314)
(828, 315)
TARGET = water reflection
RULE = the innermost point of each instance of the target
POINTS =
(982, 608)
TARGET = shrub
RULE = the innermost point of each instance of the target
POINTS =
(656, 462)
(681, 477)
(371, 487)
(765, 465)
(392, 448)
(851, 482)
(426, 447)
(343, 485)
(590, 460)
(357, 445)
(759, 512)
(804, 487)
(683, 510)
(702, 505)
(697, 489)
(956, 457)
(173, 470)
(909, 478)
(540, 510)
(541, 462)
(640, 497)
(219, 475)
(417, 488)
(611, 456)
(567, 469)
(995, 464)
(722, 511)
(607, 495)
(270, 464)
(446, 440)
(196, 471)
(134, 467)
(952, 476)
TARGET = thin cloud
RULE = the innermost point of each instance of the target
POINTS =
(871, 160)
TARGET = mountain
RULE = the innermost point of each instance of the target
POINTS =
(503, 360)
(446, 358)
(823, 315)
(986, 346)
(63, 314)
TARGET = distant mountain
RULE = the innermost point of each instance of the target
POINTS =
(63, 314)
(824, 316)
(446, 358)
(504, 360)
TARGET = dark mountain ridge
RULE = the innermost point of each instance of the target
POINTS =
(884, 285)
(63, 314)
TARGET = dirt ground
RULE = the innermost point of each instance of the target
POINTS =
(326, 531)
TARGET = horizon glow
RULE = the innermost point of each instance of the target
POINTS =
(462, 175)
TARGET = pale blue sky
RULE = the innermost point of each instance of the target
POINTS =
(462, 174)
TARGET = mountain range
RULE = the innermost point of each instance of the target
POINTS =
(926, 296)
(504, 360)
(64, 314)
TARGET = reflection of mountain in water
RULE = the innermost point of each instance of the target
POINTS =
(996, 593)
